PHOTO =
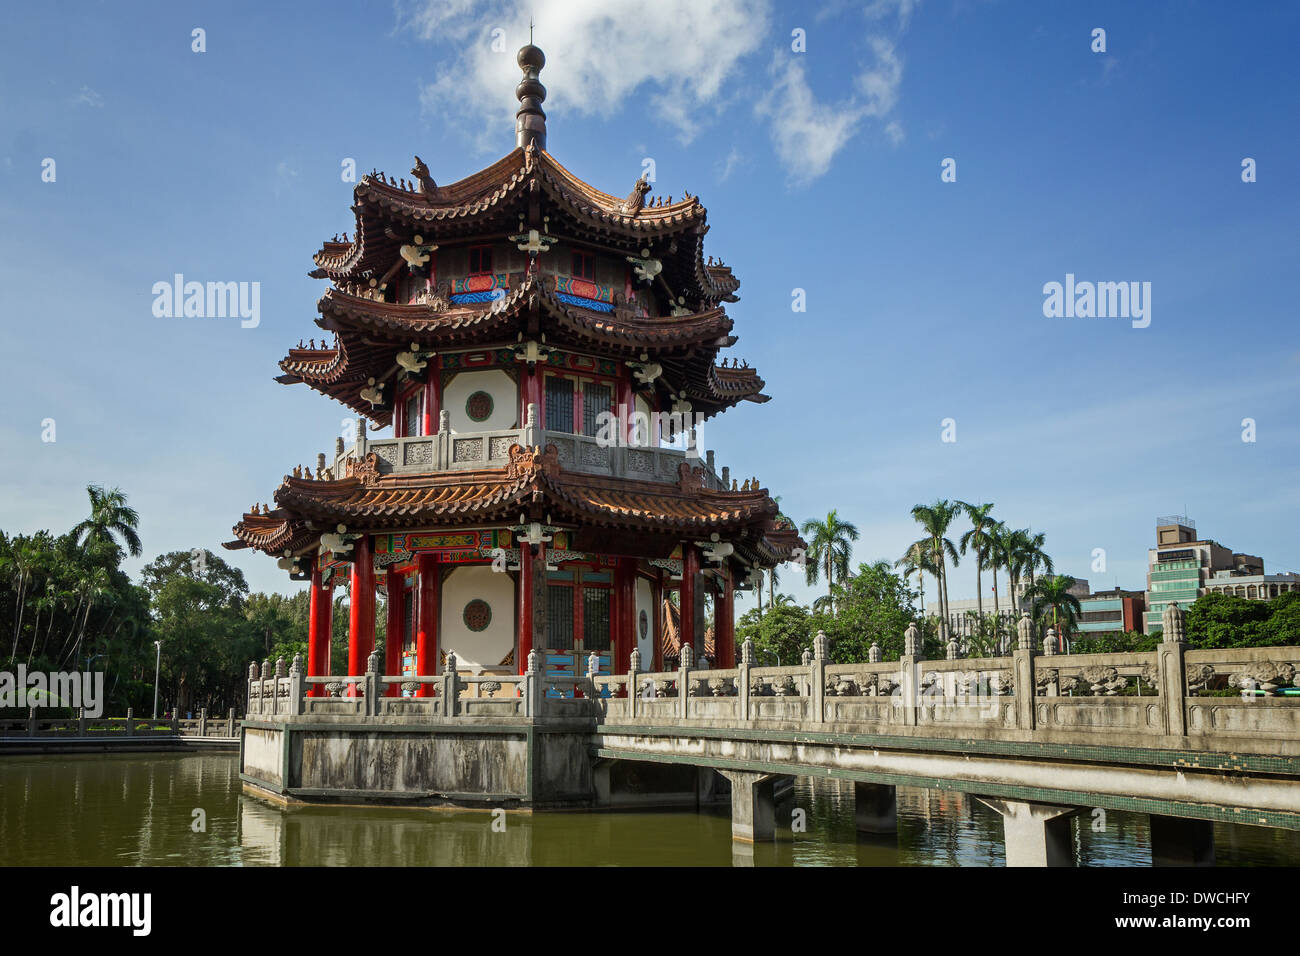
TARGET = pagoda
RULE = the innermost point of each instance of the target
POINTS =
(532, 356)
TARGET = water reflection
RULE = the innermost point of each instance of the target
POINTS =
(133, 809)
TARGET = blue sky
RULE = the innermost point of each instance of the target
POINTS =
(820, 170)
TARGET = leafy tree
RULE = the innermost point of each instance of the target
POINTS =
(198, 613)
(874, 606)
(1222, 620)
(1127, 642)
(782, 633)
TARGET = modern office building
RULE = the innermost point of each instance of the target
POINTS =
(1182, 565)
(1111, 612)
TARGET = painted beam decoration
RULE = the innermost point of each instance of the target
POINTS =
(584, 294)
(480, 288)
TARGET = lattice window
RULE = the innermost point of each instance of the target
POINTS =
(559, 617)
(595, 619)
(596, 399)
(559, 404)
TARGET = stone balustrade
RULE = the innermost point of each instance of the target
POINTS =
(1169, 691)
(203, 726)
(450, 694)
(449, 450)
(1228, 694)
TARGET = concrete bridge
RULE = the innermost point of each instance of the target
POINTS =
(1035, 736)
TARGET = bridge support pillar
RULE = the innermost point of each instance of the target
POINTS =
(875, 807)
(1035, 834)
(753, 805)
(1176, 841)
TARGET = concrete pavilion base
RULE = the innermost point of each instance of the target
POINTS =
(511, 762)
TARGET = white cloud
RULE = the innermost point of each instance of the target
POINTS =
(807, 134)
(735, 159)
(675, 56)
(680, 61)
(88, 97)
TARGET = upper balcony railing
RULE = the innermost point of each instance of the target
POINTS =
(449, 450)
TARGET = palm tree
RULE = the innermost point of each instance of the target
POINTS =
(829, 544)
(935, 519)
(977, 540)
(1052, 593)
(1034, 557)
(917, 558)
(109, 516)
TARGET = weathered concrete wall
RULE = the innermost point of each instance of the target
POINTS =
(491, 765)
(464, 761)
(562, 769)
(262, 757)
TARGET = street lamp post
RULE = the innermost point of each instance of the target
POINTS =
(157, 664)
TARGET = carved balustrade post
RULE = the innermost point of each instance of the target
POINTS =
(1022, 670)
(684, 681)
(909, 665)
(532, 686)
(296, 685)
(442, 442)
(451, 686)
(817, 674)
(1172, 671)
(633, 691)
(249, 698)
(742, 680)
(373, 685)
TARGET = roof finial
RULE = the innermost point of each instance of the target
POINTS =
(530, 121)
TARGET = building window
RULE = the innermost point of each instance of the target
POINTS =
(578, 609)
(559, 617)
(480, 260)
(596, 399)
(559, 403)
(584, 266)
(595, 619)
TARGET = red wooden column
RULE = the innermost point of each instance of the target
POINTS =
(532, 394)
(426, 625)
(320, 618)
(524, 627)
(724, 617)
(395, 633)
(690, 580)
(361, 614)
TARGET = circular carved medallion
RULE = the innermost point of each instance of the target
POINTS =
(643, 624)
(479, 406)
(477, 615)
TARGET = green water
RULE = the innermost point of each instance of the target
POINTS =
(131, 809)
